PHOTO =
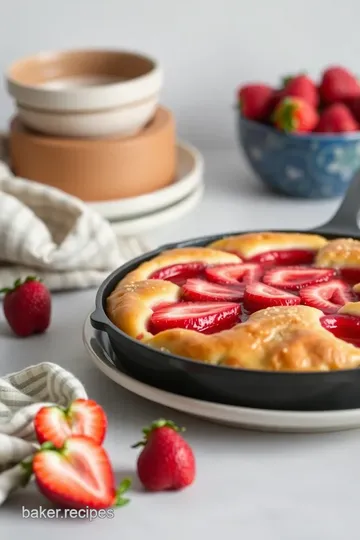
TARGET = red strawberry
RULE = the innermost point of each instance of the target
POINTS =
(166, 462)
(206, 317)
(350, 275)
(295, 115)
(255, 101)
(199, 290)
(354, 106)
(27, 306)
(285, 257)
(336, 119)
(328, 296)
(338, 84)
(231, 274)
(275, 99)
(179, 273)
(303, 87)
(259, 296)
(78, 475)
(297, 277)
(346, 327)
(83, 417)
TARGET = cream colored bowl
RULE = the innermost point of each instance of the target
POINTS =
(86, 93)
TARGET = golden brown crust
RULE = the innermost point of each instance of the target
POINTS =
(275, 339)
(339, 253)
(356, 288)
(179, 256)
(351, 308)
(251, 244)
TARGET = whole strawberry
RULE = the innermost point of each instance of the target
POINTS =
(27, 306)
(338, 84)
(303, 87)
(295, 115)
(167, 462)
(255, 101)
(337, 119)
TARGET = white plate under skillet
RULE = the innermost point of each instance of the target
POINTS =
(99, 349)
(189, 175)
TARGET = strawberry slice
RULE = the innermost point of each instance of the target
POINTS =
(198, 290)
(79, 475)
(231, 274)
(296, 277)
(259, 296)
(345, 327)
(179, 273)
(351, 275)
(329, 296)
(203, 317)
(285, 257)
(83, 417)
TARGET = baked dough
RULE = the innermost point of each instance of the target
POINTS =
(180, 256)
(275, 339)
(339, 253)
(251, 244)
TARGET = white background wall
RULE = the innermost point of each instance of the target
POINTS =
(207, 47)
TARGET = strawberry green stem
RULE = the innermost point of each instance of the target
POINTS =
(285, 115)
(18, 283)
(156, 425)
(123, 488)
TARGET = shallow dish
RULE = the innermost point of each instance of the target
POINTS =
(258, 389)
(189, 176)
(98, 346)
(86, 93)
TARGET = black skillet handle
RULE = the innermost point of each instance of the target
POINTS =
(345, 221)
(98, 320)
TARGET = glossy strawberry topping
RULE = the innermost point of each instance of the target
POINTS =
(206, 317)
(212, 296)
(179, 273)
(260, 296)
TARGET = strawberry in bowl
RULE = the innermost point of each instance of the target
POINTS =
(301, 139)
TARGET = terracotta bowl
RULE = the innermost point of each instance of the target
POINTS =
(86, 93)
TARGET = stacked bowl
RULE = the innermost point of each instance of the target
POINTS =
(89, 123)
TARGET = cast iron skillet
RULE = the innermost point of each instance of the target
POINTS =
(259, 389)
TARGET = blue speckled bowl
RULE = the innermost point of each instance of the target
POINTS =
(309, 166)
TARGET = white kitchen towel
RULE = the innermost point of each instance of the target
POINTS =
(55, 236)
(22, 394)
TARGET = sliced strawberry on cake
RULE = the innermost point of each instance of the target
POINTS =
(206, 317)
(285, 257)
(297, 277)
(345, 324)
(179, 273)
(329, 297)
(198, 290)
(260, 296)
(232, 274)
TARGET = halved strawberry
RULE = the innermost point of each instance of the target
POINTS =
(231, 274)
(79, 475)
(206, 317)
(199, 290)
(345, 327)
(328, 296)
(259, 296)
(179, 273)
(296, 277)
(285, 257)
(351, 275)
(83, 417)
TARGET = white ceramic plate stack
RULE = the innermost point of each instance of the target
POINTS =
(90, 122)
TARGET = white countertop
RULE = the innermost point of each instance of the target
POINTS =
(249, 486)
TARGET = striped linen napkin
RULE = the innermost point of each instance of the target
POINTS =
(22, 394)
(51, 234)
